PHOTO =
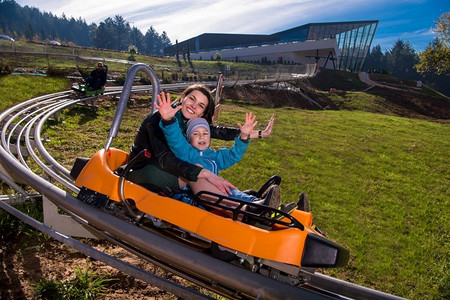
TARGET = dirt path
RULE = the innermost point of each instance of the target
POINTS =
(364, 77)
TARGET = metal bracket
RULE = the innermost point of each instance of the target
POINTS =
(63, 223)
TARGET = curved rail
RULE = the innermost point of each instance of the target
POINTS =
(125, 95)
(221, 277)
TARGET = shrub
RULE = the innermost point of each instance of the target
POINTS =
(6, 67)
(86, 285)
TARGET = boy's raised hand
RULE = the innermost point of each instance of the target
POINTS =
(247, 128)
(165, 108)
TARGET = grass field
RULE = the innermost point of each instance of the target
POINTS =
(378, 184)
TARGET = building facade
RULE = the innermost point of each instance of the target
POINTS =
(335, 45)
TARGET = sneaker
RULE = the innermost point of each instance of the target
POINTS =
(272, 197)
(303, 202)
(286, 208)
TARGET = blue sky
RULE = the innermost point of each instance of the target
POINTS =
(409, 20)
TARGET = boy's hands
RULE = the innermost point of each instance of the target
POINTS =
(247, 128)
(165, 108)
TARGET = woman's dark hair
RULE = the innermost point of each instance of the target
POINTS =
(209, 110)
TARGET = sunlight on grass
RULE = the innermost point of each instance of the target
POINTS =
(16, 88)
(377, 184)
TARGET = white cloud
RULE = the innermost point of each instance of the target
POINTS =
(182, 19)
(185, 19)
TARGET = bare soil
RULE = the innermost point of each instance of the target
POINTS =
(23, 266)
(416, 105)
(51, 260)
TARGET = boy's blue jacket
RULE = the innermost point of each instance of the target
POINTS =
(212, 160)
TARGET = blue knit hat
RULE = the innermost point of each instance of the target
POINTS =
(194, 124)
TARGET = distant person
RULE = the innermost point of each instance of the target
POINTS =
(97, 78)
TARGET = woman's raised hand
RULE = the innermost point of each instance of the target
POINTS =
(263, 133)
(248, 126)
(165, 108)
(266, 132)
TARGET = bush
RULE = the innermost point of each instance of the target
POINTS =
(6, 67)
(86, 285)
(47, 289)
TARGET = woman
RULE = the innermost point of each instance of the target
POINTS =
(164, 169)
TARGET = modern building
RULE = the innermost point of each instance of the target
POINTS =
(335, 45)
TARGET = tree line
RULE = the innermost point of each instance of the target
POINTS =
(29, 23)
(431, 66)
(398, 61)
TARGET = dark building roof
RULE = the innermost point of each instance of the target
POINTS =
(353, 38)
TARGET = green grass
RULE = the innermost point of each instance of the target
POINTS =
(378, 184)
(11, 227)
(19, 88)
(360, 101)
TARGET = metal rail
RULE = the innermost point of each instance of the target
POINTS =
(221, 277)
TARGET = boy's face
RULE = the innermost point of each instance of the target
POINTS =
(200, 138)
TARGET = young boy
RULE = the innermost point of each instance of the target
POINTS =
(197, 151)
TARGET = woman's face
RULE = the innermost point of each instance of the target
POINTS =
(194, 105)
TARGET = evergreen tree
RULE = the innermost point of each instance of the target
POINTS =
(29, 32)
(122, 31)
(401, 60)
(150, 39)
(375, 60)
(139, 39)
(104, 35)
(165, 42)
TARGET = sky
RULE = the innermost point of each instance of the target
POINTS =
(409, 20)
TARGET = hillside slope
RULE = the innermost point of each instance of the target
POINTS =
(339, 90)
